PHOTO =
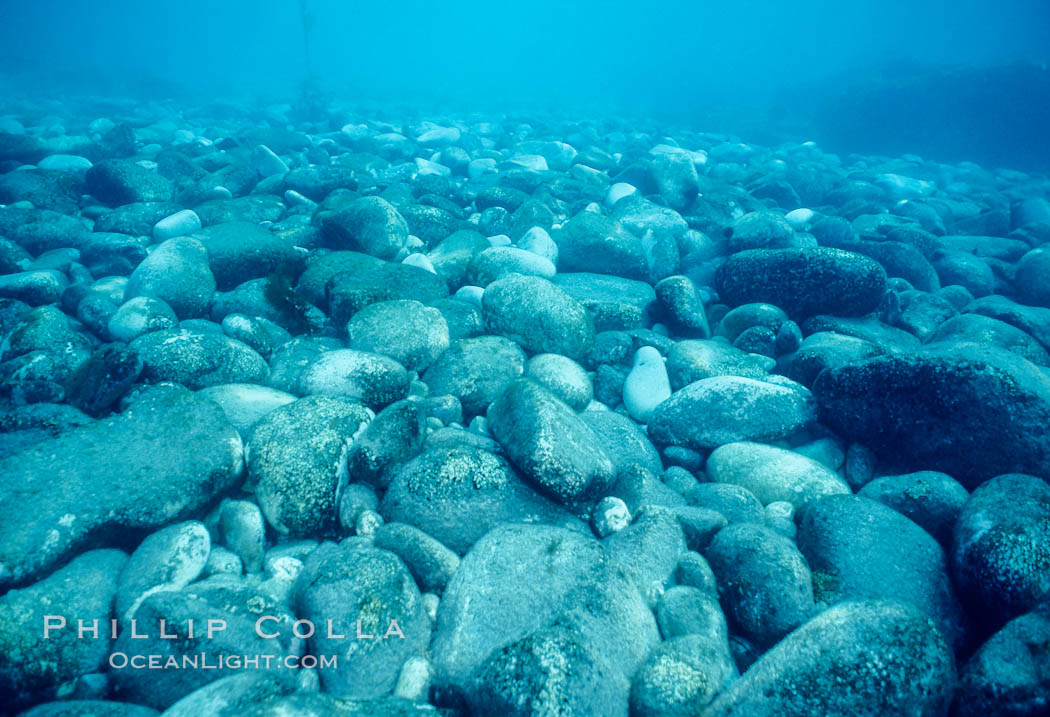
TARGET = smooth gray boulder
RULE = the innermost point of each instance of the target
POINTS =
(775, 409)
(35, 665)
(363, 591)
(177, 273)
(169, 454)
(538, 315)
(858, 659)
(458, 492)
(970, 411)
(297, 461)
(520, 579)
(545, 439)
(860, 550)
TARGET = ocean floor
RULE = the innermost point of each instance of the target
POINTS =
(317, 411)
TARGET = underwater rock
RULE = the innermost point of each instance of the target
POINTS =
(176, 225)
(476, 371)
(860, 658)
(138, 316)
(297, 461)
(613, 302)
(239, 251)
(1008, 675)
(168, 454)
(520, 579)
(227, 602)
(591, 242)
(103, 379)
(773, 474)
(372, 379)
(971, 411)
(538, 315)
(803, 282)
(395, 435)
(527, 677)
(690, 361)
(549, 444)
(177, 273)
(1001, 552)
(776, 410)
(647, 385)
(197, 359)
(456, 493)
(432, 564)
(41, 650)
(764, 582)
(33, 287)
(563, 377)
(859, 549)
(362, 590)
(123, 181)
(408, 332)
(932, 500)
(371, 225)
(624, 442)
(168, 559)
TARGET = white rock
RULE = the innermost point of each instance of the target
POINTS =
(902, 187)
(430, 605)
(219, 192)
(425, 166)
(356, 131)
(535, 162)
(480, 167)
(799, 218)
(582, 171)
(499, 240)
(295, 198)
(65, 162)
(266, 163)
(368, 523)
(538, 241)
(138, 316)
(414, 681)
(420, 260)
(470, 294)
(647, 385)
(618, 191)
(244, 532)
(439, 137)
(178, 224)
(245, 403)
(611, 515)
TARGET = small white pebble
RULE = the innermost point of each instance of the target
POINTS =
(611, 515)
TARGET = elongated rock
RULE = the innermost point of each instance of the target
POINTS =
(169, 454)
(859, 659)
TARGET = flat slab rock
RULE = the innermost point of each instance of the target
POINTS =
(170, 453)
